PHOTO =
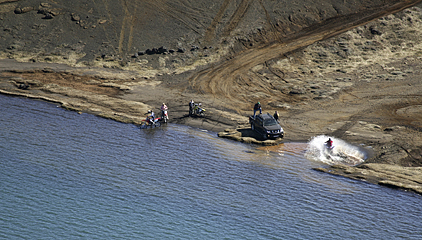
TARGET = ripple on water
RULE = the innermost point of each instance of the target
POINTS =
(67, 175)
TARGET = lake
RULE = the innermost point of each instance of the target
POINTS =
(66, 175)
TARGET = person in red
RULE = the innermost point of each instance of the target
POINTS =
(164, 114)
(329, 143)
(164, 107)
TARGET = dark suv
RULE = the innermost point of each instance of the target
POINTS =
(266, 126)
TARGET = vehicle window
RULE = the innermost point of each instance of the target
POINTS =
(270, 122)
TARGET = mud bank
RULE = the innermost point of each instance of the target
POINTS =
(396, 143)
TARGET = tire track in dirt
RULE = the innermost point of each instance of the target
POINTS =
(237, 17)
(122, 29)
(270, 25)
(210, 32)
(106, 6)
(128, 24)
(132, 25)
(163, 7)
(221, 79)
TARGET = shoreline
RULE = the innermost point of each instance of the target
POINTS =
(362, 86)
(300, 121)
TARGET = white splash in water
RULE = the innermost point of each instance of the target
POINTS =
(342, 152)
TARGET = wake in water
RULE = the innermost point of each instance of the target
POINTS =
(342, 152)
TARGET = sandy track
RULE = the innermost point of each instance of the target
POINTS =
(232, 76)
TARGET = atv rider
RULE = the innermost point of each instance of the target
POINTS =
(150, 117)
(329, 143)
(197, 109)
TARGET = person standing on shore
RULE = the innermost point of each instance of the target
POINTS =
(164, 113)
(191, 105)
(256, 108)
(276, 116)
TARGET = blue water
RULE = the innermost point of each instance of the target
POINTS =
(65, 175)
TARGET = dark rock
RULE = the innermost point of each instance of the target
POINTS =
(342, 54)
(398, 73)
(48, 16)
(322, 54)
(181, 50)
(23, 86)
(43, 11)
(375, 31)
(23, 10)
(75, 18)
(162, 50)
(297, 91)
(140, 53)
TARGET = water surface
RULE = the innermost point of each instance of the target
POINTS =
(65, 175)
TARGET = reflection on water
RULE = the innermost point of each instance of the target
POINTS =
(65, 175)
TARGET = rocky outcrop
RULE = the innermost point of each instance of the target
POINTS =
(246, 135)
(393, 176)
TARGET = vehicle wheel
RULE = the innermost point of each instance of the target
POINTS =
(157, 124)
(143, 125)
(264, 135)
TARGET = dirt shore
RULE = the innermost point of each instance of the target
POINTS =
(362, 86)
(376, 112)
